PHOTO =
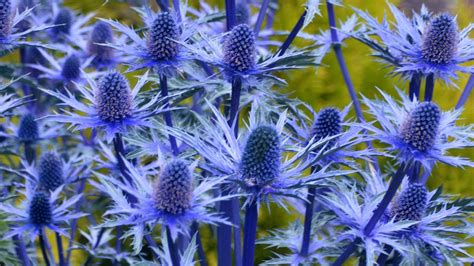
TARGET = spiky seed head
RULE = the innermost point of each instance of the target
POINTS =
(50, 171)
(174, 188)
(242, 13)
(113, 97)
(71, 68)
(63, 20)
(102, 33)
(411, 204)
(261, 158)
(40, 209)
(440, 40)
(28, 130)
(420, 129)
(239, 48)
(5, 18)
(162, 37)
(327, 124)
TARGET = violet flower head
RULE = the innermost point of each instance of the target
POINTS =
(50, 171)
(173, 189)
(40, 213)
(239, 48)
(5, 18)
(63, 22)
(28, 130)
(328, 124)
(411, 204)
(161, 37)
(420, 129)
(114, 99)
(71, 69)
(101, 34)
(440, 40)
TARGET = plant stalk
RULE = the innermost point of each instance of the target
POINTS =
(250, 233)
(167, 114)
(43, 247)
(466, 92)
(414, 90)
(429, 88)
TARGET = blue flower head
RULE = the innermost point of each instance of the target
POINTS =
(411, 204)
(28, 130)
(5, 18)
(71, 69)
(173, 189)
(50, 171)
(440, 40)
(114, 99)
(161, 37)
(327, 124)
(103, 55)
(421, 126)
(239, 48)
(63, 22)
(40, 213)
(261, 157)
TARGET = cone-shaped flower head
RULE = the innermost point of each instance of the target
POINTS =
(327, 124)
(71, 68)
(40, 212)
(261, 158)
(239, 48)
(242, 13)
(411, 204)
(114, 99)
(173, 189)
(440, 40)
(28, 129)
(420, 129)
(102, 33)
(5, 19)
(161, 37)
(64, 21)
(50, 171)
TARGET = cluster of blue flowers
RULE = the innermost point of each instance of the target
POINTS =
(128, 143)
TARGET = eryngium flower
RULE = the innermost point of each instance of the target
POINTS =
(101, 34)
(239, 48)
(28, 130)
(40, 213)
(63, 22)
(72, 68)
(50, 171)
(411, 204)
(173, 190)
(327, 124)
(114, 100)
(421, 127)
(242, 13)
(161, 37)
(440, 40)
(5, 18)
(261, 158)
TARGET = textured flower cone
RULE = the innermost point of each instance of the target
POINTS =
(261, 158)
(28, 130)
(5, 18)
(71, 68)
(421, 128)
(161, 38)
(50, 171)
(440, 40)
(327, 124)
(40, 209)
(411, 204)
(102, 33)
(113, 96)
(242, 13)
(173, 190)
(239, 48)
(64, 21)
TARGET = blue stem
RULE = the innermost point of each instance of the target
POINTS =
(250, 233)
(224, 234)
(382, 259)
(236, 222)
(308, 218)
(163, 4)
(120, 154)
(59, 243)
(414, 90)
(466, 92)
(20, 250)
(429, 88)
(167, 114)
(294, 32)
(152, 244)
(173, 249)
(261, 16)
(200, 248)
(347, 252)
(43, 247)
(118, 243)
(80, 188)
(96, 244)
(177, 9)
(30, 152)
(230, 13)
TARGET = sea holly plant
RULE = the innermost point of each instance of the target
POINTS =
(170, 135)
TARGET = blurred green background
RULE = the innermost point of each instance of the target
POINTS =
(324, 86)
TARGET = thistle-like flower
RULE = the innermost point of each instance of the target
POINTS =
(114, 106)
(239, 49)
(28, 129)
(63, 21)
(103, 56)
(419, 131)
(68, 27)
(425, 44)
(38, 211)
(411, 203)
(170, 200)
(31, 129)
(50, 171)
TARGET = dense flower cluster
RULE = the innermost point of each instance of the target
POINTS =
(129, 143)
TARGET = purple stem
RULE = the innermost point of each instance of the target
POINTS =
(294, 32)
(177, 9)
(59, 243)
(261, 16)
(167, 114)
(79, 190)
(429, 88)
(120, 154)
(230, 13)
(20, 250)
(414, 90)
(466, 92)
(308, 218)
(163, 4)
(43, 247)
(152, 244)
(250, 233)
(200, 248)
(382, 259)
(347, 252)
(173, 249)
